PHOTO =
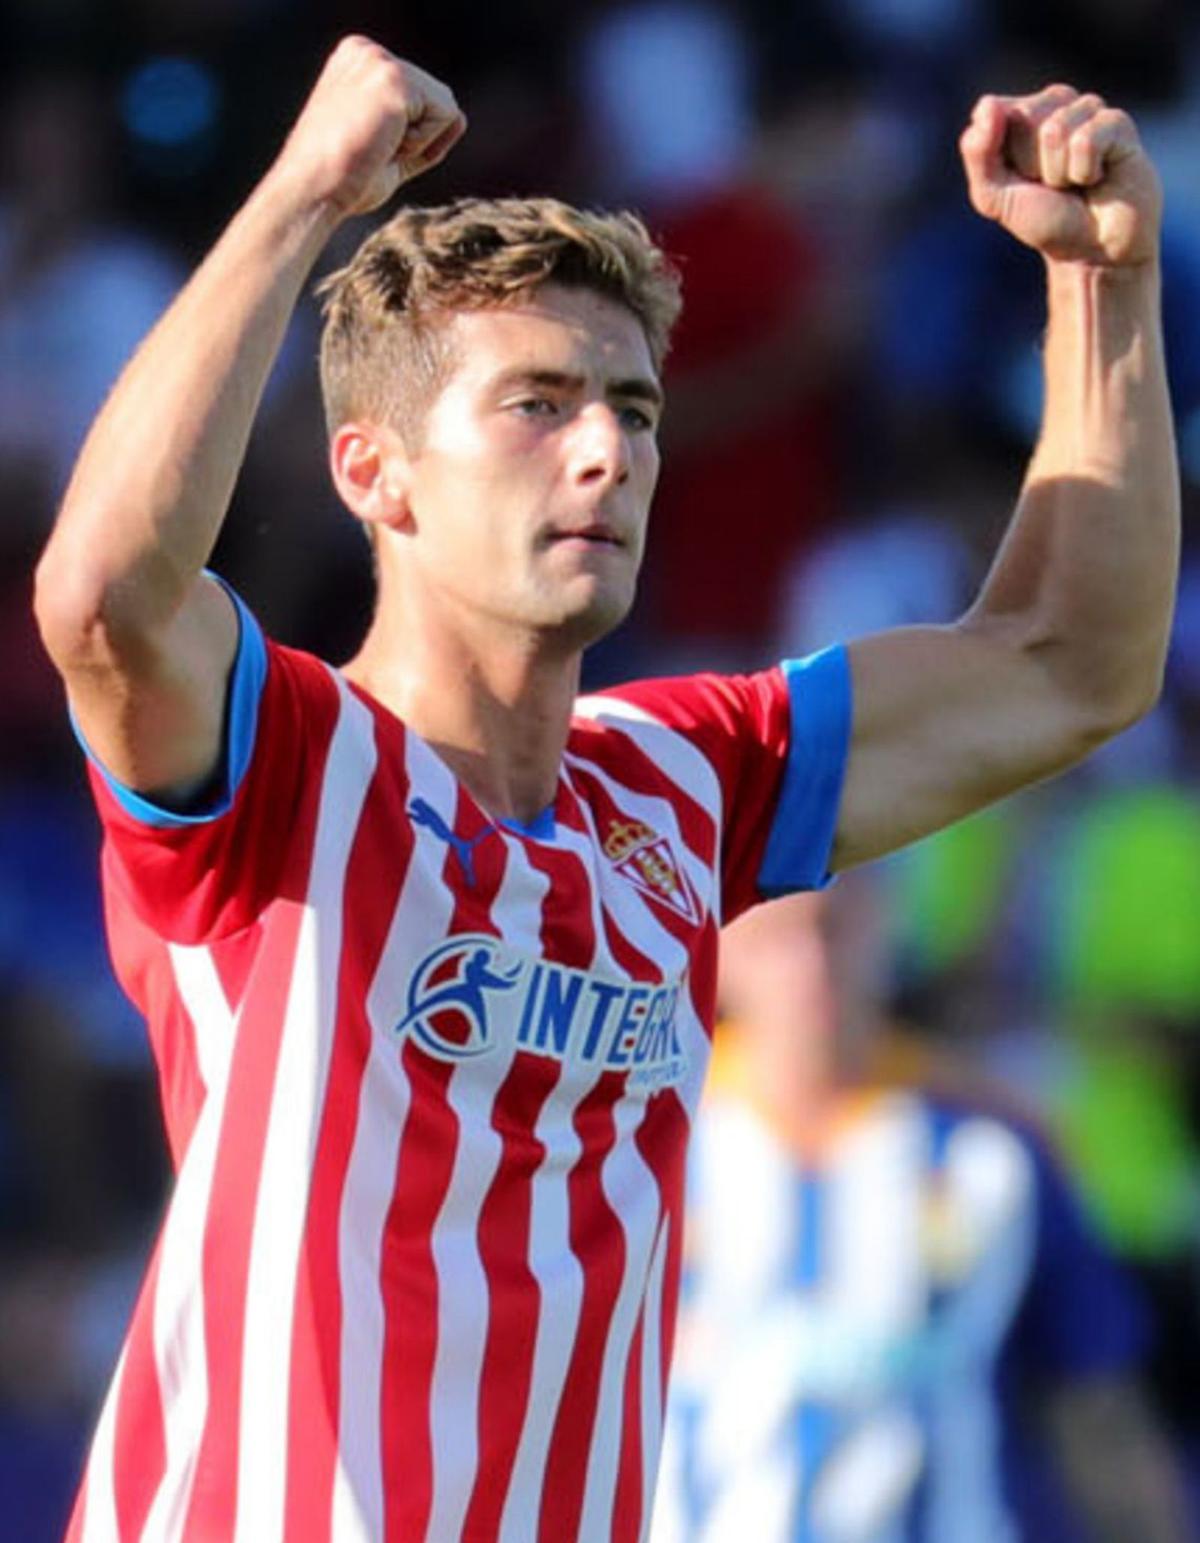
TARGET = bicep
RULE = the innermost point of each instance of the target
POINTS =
(946, 720)
(152, 714)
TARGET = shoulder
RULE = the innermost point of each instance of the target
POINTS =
(696, 719)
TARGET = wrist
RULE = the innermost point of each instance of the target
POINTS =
(295, 212)
(1075, 275)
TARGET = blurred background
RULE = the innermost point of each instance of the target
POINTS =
(852, 397)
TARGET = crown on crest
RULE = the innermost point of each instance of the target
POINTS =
(625, 836)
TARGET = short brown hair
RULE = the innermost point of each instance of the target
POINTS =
(383, 353)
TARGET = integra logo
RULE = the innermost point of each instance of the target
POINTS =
(471, 992)
(447, 997)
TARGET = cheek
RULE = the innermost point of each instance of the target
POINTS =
(648, 465)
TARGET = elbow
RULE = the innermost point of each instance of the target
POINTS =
(1102, 711)
(68, 612)
(80, 614)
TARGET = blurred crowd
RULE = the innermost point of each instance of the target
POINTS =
(851, 399)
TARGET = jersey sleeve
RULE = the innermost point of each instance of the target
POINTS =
(208, 871)
(777, 742)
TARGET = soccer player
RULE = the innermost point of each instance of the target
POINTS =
(427, 947)
(893, 1309)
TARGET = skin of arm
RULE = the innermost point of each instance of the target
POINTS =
(1065, 644)
(1116, 1463)
(143, 640)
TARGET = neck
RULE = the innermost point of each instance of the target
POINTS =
(495, 704)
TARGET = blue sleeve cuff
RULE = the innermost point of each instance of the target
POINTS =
(241, 725)
(800, 844)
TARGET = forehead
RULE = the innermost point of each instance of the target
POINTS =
(575, 331)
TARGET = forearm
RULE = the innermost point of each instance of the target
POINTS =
(1087, 572)
(156, 473)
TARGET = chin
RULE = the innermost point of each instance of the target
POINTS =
(593, 617)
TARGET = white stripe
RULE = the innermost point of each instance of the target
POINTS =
(203, 997)
(462, 1281)
(672, 752)
(180, 1351)
(357, 1513)
(652, 1371)
(632, 1192)
(296, 1102)
(989, 1175)
(100, 1501)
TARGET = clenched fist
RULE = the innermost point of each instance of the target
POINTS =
(1066, 175)
(371, 123)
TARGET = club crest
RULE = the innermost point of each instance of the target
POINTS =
(646, 859)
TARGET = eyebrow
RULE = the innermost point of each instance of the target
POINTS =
(635, 387)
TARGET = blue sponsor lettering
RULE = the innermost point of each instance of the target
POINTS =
(559, 1002)
(468, 994)
(531, 997)
(628, 1026)
(606, 994)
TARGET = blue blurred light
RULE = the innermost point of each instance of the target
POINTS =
(170, 103)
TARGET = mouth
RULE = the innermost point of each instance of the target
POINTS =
(594, 535)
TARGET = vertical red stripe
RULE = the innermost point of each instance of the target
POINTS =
(598, 1242)
(139, 1438)
(568, 933)
(662, 1140)
(514, 1295)
(409, 1288)
(181, 1088)
(375, 872)
(234, 960)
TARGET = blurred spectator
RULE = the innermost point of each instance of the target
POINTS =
(77, 291)
(752, 462)
(892, 1302)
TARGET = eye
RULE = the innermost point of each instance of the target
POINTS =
(534, 407)
(636, 419)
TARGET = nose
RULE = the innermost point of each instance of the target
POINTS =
(599, 450)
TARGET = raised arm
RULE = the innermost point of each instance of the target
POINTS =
(1065, 645)
(142, 639)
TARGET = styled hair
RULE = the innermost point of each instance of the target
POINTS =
(384, 350)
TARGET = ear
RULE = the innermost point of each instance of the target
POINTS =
(370, 470)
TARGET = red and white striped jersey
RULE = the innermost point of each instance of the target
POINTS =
(427, 1081)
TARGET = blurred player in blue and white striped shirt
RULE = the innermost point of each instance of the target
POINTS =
(891, 1297)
